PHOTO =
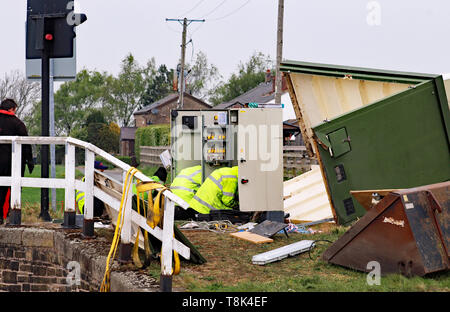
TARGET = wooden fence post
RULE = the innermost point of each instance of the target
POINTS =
(69, 211)
(167, 246)
(125, 237)
(88, 220)
(15, 215)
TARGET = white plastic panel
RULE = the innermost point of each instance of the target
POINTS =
(283, 252)
(260, 159)
(306, 197)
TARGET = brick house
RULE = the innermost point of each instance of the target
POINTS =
(159, 112)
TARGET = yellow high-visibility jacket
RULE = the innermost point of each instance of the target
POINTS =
(187, 182)
(80, 200)
(217, 192)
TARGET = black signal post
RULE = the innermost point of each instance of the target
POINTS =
(50, 34)
(45, 122)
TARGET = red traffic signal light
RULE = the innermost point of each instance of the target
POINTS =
(49, 37)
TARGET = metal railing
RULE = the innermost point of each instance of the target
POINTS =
(132, 220)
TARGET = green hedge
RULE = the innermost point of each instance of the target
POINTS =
(154, 135)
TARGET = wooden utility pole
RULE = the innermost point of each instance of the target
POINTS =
(185, 24)
(183, 56)
(278, 81)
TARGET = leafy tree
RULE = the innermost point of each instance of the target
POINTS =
(96, 116)
(110, 137)
(123, 94)
(33, 120)
(201, 76)
(158, 86)
(98, 131)
(76, 99)
(249, 75)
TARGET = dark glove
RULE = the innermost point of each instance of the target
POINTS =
(30, 166)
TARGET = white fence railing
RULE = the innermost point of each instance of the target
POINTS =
(132, 220)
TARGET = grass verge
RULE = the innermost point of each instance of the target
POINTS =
(230, 269)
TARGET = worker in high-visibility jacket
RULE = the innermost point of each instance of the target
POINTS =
(185, 185)
(218, 191)
(99, 206)
(187, 182)
(159, 176)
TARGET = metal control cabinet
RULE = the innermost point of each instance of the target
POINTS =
(250, 138)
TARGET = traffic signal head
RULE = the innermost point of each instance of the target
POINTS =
(50, 25)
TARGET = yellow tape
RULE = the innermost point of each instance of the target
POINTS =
(156, 214)
(155, 210)
(105, 286)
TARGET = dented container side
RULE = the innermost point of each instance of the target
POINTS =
(323, 91)
(325, 98)
(399, 142)
(419, 212)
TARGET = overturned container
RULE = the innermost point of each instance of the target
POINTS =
(407, 232)
(371, 129)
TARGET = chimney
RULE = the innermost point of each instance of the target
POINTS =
(273, 84)
(268, 76)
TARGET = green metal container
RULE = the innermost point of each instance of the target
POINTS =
(399, 142)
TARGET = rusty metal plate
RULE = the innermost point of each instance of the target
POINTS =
(402, 232)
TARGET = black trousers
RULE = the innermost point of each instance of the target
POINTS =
(188, 214)
(5, 170)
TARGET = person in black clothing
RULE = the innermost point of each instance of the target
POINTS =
(10, 125)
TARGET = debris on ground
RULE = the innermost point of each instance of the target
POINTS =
(406, 232)
(283, 252)
(298, 228)
(269, 228)
(252, 237)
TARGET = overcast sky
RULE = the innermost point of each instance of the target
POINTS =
(408, 35)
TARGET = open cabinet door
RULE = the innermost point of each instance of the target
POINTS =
(260, 156)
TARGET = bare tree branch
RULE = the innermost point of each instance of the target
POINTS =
(15, 85)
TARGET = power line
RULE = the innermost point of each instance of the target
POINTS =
(192, 9)
(231, 13)
(185, 22)
(213, 10)
(222, 17)
(195, 30)
(171, 29)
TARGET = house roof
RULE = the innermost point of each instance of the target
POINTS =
(293, 122)
(262, 93)
(169, 98)
(127, 133)
(149, 108)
